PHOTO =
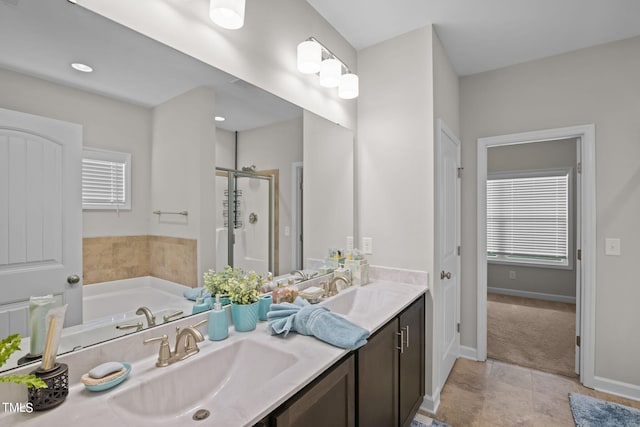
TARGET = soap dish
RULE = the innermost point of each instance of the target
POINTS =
(111, 383)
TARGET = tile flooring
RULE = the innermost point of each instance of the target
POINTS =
(495, 393)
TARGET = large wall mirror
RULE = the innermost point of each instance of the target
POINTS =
(159, 105)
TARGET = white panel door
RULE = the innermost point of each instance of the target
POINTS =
(40, 216)
(447, 278)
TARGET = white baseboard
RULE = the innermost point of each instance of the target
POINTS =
(430, 403)
(468, 352)
(629, 391)
(536, 295)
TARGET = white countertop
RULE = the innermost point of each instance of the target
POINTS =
(310, 358)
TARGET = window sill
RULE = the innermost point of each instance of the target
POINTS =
(530, 263)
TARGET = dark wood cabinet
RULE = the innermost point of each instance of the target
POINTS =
(377, 364)
(379, 385)
(411, 361)
(390, 371)
(329, 401)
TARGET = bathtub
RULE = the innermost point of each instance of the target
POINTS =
(109, 304)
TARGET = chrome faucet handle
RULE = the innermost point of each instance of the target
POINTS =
(200, 323)
(138, 326)
(164, 354)
(168, 317)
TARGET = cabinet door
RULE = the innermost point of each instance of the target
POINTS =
(328, 402)
(378, 378)
(412, 361)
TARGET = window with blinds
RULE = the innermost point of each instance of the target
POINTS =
(528, 217)
(106, 179)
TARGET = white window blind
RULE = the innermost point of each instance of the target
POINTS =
(106, 179)
(528, 216)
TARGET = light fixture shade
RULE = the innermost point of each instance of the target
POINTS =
(330, 71)
(309, 57)
(349, 86)
(228, 14)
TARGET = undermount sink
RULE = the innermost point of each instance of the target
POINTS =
(216, 382)
(362, 305)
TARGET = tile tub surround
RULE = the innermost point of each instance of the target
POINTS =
(174, 259)
(313, 358)
(111, 258)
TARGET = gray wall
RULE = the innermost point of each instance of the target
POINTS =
(538, 155)
(596, 85)
(106, 123)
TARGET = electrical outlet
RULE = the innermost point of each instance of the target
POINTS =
(367, 245)
(349, 243)
(512, 275)
(612, 246)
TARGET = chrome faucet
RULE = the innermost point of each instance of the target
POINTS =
(187, 341)
(331, 288)
(304, 276)
(299, 273)
(151, 319)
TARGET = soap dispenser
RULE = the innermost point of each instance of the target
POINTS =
(200, 304)
(218, 328)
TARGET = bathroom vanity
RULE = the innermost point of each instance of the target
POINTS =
(254, 378)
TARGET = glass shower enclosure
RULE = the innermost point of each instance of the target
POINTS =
(245, 220)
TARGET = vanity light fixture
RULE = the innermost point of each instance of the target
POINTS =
(309, 57)
(227, 14)
(219, 119)
(315, 58)
(81, 67)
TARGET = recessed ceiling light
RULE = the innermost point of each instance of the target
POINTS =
(220, 119)
(81, 67)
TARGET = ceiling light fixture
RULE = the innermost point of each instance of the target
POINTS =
(227, 14)
(219, 119)
(315, 58)
(81, 67)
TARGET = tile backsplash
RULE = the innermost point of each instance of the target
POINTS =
(123, 257)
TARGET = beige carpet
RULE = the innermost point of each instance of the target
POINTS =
(533, 333)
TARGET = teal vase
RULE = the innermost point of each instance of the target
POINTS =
(245, 316)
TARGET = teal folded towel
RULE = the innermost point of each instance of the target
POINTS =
(317, 321)
(193, 293)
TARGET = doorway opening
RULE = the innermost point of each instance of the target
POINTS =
(511, 263)
(531, 270)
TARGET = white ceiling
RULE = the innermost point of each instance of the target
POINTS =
(43, 37)
(481, 35)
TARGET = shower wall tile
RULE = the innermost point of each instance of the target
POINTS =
(114, 258)
(174, 259)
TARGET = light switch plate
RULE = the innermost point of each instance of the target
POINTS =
(367, 245)
(612, 246)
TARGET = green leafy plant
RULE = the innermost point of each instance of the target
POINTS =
(245, 289)
(217, 282)
(7, 347)
(240, 286)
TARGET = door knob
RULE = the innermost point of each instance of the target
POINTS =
(444, 275)
(73, 279)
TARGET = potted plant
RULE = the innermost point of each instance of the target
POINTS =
(217, 282)
(244, 293)
(7, 346)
